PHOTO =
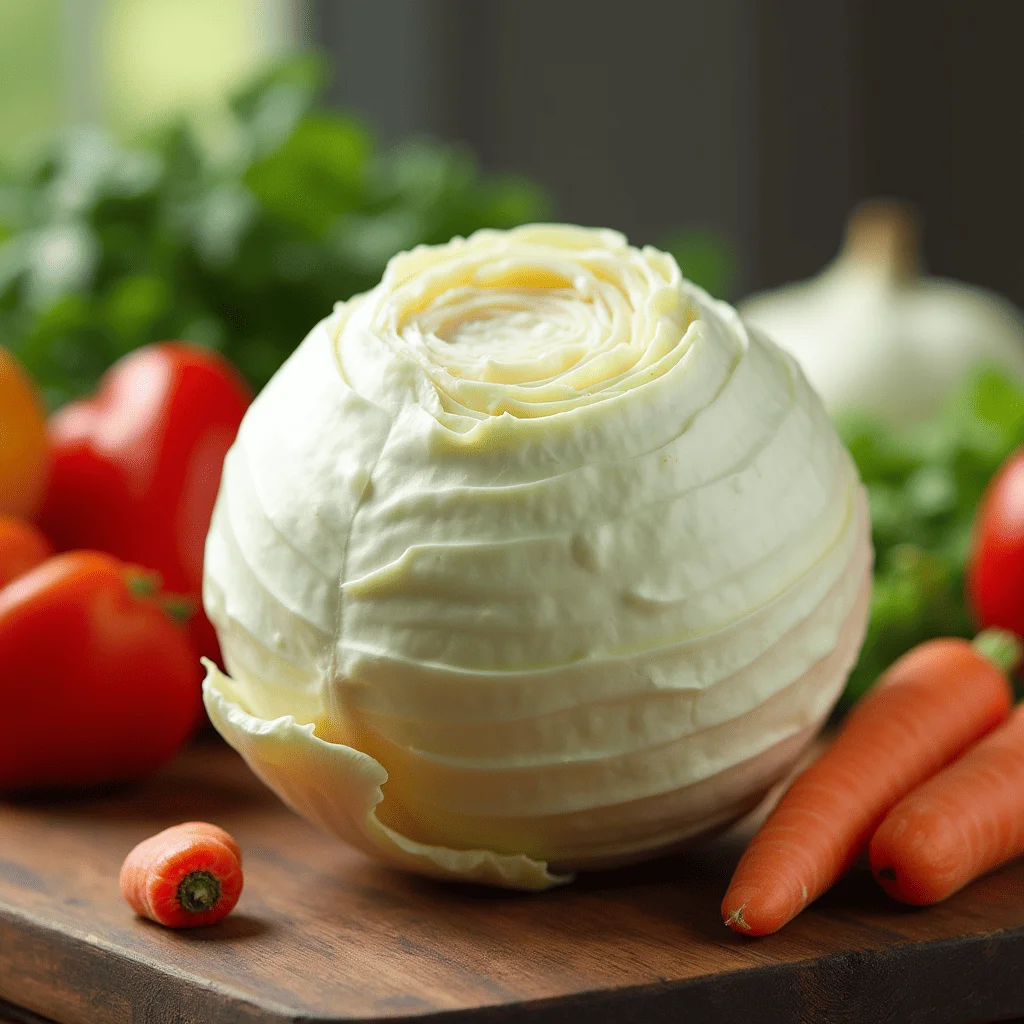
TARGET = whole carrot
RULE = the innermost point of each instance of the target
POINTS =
(931, 705)
(22, 547)
(960, 824)
(186, 876)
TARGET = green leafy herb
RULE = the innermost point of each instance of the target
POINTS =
(241, 243)
(924, 485)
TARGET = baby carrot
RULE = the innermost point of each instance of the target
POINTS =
(930, 706)
(960, 824)
(186, 876)
(22, 547)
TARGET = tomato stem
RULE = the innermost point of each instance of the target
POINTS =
(1003, 648)
(198, 892)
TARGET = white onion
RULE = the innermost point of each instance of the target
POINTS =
(874, 335)
(530, 560)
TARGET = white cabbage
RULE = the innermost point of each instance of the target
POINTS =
(530, 560)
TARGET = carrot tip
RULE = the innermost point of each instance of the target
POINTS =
(735, 917)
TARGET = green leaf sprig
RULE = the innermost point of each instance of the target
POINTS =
(924, 486)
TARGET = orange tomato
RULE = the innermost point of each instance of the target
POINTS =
(22, 547)
(24, 451)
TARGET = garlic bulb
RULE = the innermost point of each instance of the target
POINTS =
(532, 559)
(875, 336)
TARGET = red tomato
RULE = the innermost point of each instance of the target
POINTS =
(995, 573)
(98, 684)
(136, 468)
(22, 547)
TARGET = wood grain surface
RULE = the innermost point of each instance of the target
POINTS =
(323, 934)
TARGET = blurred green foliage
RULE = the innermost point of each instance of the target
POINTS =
(242, 246)
(924, 485)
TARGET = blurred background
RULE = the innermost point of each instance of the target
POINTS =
(225, 170)
(758, 124)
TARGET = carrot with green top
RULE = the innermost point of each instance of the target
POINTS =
(186, 876)
(930, 706)
(962, 823)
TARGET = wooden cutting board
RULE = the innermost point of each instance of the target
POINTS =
(322, 934)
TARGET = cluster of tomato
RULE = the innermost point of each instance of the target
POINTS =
(104, 510)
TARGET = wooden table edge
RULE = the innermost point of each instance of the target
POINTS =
(831, 986)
